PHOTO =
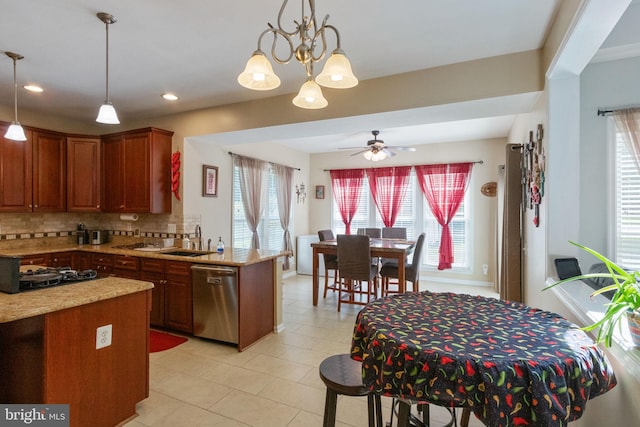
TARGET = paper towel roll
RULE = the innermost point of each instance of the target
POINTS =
(129, 217)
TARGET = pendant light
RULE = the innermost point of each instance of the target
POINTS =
(15, 131)
(107, 113)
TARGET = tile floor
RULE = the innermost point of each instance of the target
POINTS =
(275, 382)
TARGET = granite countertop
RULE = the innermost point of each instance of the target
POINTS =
(37, 302)
(230, 257)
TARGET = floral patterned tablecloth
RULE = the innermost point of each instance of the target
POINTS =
(511, 364)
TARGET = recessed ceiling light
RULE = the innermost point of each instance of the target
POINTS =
(33, 88)
(169, 97)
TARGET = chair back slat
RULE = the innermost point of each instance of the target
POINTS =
(354, 256)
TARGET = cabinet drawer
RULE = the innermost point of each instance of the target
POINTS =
(152, 265)
(178, 268)
(41, 260)
(102, 260)
(124, 262)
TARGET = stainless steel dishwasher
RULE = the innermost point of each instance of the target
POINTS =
(215, 302)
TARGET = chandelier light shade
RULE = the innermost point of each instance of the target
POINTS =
(15, 131)
(337, 72)
(311, 48)
(107, 113)
(310, 96)
(258, 74)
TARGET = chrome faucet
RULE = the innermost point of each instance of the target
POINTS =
(199, 237)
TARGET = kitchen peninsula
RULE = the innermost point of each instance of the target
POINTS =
(52, 349)
(259, 297)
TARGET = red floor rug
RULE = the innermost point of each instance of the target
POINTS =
(160, 341)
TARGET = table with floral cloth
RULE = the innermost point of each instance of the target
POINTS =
(510, 364)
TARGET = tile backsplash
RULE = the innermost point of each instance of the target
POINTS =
(23, 226)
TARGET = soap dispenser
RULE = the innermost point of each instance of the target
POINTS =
(220, 246)
(186, 243)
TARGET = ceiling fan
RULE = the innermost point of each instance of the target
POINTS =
(377, 150)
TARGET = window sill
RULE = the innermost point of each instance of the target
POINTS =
(576, 296)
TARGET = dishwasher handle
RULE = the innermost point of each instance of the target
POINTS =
(215, 269)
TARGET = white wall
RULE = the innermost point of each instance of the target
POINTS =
(216, 212)
(483, 208)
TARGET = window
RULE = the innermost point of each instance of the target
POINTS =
(627, 213)
(269, 228)
(416, 217)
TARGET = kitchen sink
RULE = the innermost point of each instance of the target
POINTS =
(186, 253)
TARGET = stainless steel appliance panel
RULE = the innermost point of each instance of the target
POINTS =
(215, 302)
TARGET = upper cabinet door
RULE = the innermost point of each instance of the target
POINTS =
(49, 172)
(83, 174)
(137, 171)
(15, 173)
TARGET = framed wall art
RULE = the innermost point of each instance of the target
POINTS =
(209, 181)
(319, 191)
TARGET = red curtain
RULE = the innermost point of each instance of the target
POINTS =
(388, 188)
(346, 185)
(444, 187)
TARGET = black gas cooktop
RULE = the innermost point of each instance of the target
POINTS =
(50, 276)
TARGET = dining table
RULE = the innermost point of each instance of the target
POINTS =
(508, 363)
(397, 249)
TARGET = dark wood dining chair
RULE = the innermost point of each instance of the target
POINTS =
(371, 232)
(330, 263)
(394, 232)
(389, 270)
(358, 277)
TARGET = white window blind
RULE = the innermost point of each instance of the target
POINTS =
(627, 231)
(269, 228)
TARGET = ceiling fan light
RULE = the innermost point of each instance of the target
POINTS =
(258, 73)
(337, 72)
(15, 132)
(107, 114)
(368, 154)
(310, 96)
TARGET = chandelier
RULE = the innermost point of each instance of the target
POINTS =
(258, 73)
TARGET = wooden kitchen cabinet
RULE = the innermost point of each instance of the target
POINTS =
(152, 270)
(84, 174)
(40, 259)
(178, 296)
(15, 173)
(49, 171)
(126, 266)
(102, 263)
(136, 172)
(81, 261)
(60, 259)
(33, 172)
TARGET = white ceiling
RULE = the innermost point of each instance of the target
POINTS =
(196, 49)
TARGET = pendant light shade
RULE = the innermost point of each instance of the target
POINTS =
(15, 131)
(337, 72)
(107, 113)
(310, 96)
(258, 73)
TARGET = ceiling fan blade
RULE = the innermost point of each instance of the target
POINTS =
(359, 152)
(404, 148)
(352, 148)
(388, 152)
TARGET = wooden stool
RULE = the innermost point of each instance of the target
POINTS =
(343, 375)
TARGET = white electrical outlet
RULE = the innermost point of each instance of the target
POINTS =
(171, 228)
(103, 336)
(485, 269)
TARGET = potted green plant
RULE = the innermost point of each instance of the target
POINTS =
(625, 302)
